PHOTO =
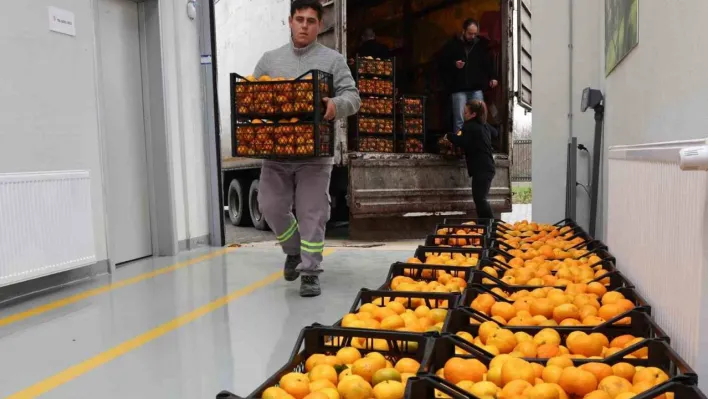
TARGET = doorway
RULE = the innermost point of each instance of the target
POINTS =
(123, 129)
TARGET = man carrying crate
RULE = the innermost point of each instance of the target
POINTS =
(306, 181)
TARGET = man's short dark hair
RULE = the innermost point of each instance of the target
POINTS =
(304, 4)
(468, 22)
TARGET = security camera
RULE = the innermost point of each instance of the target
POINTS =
(592, 98)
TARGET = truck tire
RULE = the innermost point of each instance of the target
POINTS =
(239, 214)
(256, 216)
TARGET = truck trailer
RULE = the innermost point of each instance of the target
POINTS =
(391, 195)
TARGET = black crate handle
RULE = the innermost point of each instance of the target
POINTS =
(227, 395)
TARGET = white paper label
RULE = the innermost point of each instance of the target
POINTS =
(61, 21)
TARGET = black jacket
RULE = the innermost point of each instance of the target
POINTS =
(479, 66)
(475, 140)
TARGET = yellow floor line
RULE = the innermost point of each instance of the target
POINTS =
(108, 287)
(84, 367)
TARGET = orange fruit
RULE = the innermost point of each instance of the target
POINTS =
(600, 370)
(457, 369)
(614, 385)
(621, 341)
(628, 395)
(486, 329)
(597, 289)
(295, 384)
(575, 381)
(348, 355)
(624, 370)
(354, 388)
(502, 339)
(547, 336)
(331, 393)
(380, 360)
(547, 351)
(517, 369)
(611, 297)
(312, 361)
(386, 374)
(323, 372)
(652, 375)
(407, 365)
(275, 393)
(542, 391)
(365, 368)
(566, 311)
(641, 353)
(583, 344)
(317, 395)
(552, 374)
(321, 384)
(389, 390)
(527, 348)
(515, 389)
(504, 310)
(598, 395)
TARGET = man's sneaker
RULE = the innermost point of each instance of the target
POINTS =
(289, 272)
(310, 286)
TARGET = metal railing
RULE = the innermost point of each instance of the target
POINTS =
(521, 166)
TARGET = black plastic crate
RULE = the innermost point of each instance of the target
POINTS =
(377, 107)
(373, 86)
(411, 124)
(661, 356)
(489, 223)
(474, 290)
(454, 240)
(374, 125)
(642, 326)
(617, 279)
(422, 253)
(500, 225)
(277, 99)
(455, 228)
(600, 252)
(420, 272)
(283, 140)
(410, 300)
(328, 340)
(376, 143)
(375, 67)
(504, 248)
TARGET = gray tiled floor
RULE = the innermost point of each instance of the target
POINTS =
(233, 347)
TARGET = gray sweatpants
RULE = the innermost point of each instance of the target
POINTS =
(308, 186)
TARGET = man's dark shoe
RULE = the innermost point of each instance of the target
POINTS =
(289, 272)
(310, 286)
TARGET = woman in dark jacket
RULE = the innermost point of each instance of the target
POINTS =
(475, 140)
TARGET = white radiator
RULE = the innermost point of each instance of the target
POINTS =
(45, 224)
(656, 227)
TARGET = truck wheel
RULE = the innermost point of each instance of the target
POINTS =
(256, 216)
(238, 211)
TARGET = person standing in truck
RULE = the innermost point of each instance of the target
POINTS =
(467, 69)
(304, 181)
(475, 139)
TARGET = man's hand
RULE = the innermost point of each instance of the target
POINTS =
(460, 64)
(493, 83)
(331, 111)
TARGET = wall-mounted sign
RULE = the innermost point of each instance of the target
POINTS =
(61, 21)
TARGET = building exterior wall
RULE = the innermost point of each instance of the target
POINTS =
(49, 114)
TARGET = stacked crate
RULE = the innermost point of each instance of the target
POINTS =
(374, 124)
(411, 124)
(451, 321)
(281, 118)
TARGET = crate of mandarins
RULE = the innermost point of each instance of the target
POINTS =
(281, 118)
(543, 273)
(467, 240)
(550, 306)
(453, 362)
(468, 257)
(339, 362)
(465, 228)
(415, 277)
(415, 312)
(542, 342)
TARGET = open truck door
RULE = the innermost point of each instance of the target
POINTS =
(523, 53)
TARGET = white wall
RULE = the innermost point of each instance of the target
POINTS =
(49, 113)
(243, 33)
(48, 104)
(181, 63)
(639, 109)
